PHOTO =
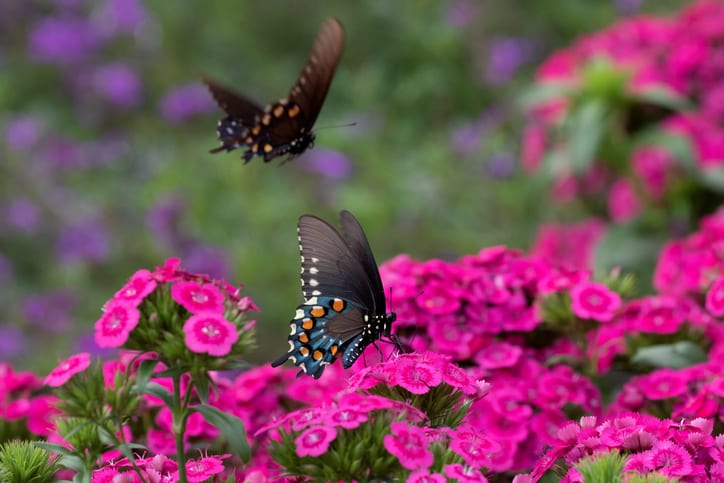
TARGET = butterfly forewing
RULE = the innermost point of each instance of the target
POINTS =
(328, 265)
(233, 103)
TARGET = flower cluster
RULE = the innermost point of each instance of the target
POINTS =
(684, 450)
(615, 131)
(158, 468)
(156, 307)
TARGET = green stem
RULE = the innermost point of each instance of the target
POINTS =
(179, 427)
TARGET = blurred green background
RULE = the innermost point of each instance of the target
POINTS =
(105, 166)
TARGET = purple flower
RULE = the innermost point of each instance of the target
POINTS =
(184, 102)
(22, 215)
(507, 54)
(163, 219)
(63, 41)
(119, 84)
(13, 341)
(123, 16)
(501, 165)
(22, 133)
(461, 13)
(328, 162)
(628, 7)
(83, 241)
(50, 310)
(206, 259)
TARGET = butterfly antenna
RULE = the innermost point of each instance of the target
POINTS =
(335, 126)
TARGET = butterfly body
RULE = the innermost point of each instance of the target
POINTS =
(284, 127)
(344, 302)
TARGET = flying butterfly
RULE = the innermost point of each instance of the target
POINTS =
(344, 308)
(284, 127)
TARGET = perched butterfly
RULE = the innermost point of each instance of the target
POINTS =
(284, 127)
(345, 308)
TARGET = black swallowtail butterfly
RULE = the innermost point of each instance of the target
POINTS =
(284, 127)
(344, 307)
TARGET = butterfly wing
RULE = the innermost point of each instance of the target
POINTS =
(241, 115)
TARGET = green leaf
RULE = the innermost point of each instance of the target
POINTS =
(626, 247)
(676, 356)
(230, 426)
(586, 127)
(543, 92)
(154, 389)
(201, 382)
(144, 373)
(661, 95)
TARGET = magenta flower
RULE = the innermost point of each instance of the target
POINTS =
(203, 468)
(196, 297)
(315, 441)
(210, 333)
(416, 376)
(116, 323)
(346, 417)
(593, 300)
(473, 447)
(663, 384)
(140, 285)
(410, 445)
(464, 474)
(423, 475)
(715, 298)
(67, 369)
(498, 355)
(623, 204)
(669, 459)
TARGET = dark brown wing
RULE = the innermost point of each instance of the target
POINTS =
(312, 86)
(234, 104)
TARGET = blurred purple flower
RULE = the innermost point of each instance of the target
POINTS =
(22, 133)
(122, 16)
(628, 7)
(119, 84)
(63, 41)
(506, 55)
(6, 269)
(22, 215)
(83, 241)
(501, 165)
(461, 13)
(163, 219)
(465, 139)
(61, 153)
(328, 162)
(50, 310)
(87, 343)
(71, 4)
(207, 259)
(183, 102)
(13, 342)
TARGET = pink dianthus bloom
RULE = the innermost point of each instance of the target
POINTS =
(196, 297)
(463, 474)
(204, 468)
(416, 376)
(116, 323)
(210, 333)
(423, 475)
(315, 441)
(140, 285)
(593, 300)
(715, 298)
(410, 445)
(67, 369)
(669, 459)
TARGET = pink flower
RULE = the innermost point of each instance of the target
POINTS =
(464, 474)
(623, 203)
(210, 333)
(423, 475)
(593, 300)
(438, 299)
(410, 445)
(116, 323)
(715, 298)
(196, 297)
(347, 418)
(498, 355)
(315, 441)
(416, 376)
(534, 144)
(473, 447)
(67, 369)
(140, 285)
(203, 468)
(663, 384)
(669, 459)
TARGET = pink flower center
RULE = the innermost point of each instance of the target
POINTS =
(200, 297)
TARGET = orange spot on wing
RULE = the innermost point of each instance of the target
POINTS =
(278, 111)
(303, 338)
(256, 130)
(268, 148)
(266, 119)
(304, 351)
(318, 311)
(293, 111)
(333, 350)
(307, 324)
(317, 355)
(338, 305)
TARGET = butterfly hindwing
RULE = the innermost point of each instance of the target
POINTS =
(284, 127)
